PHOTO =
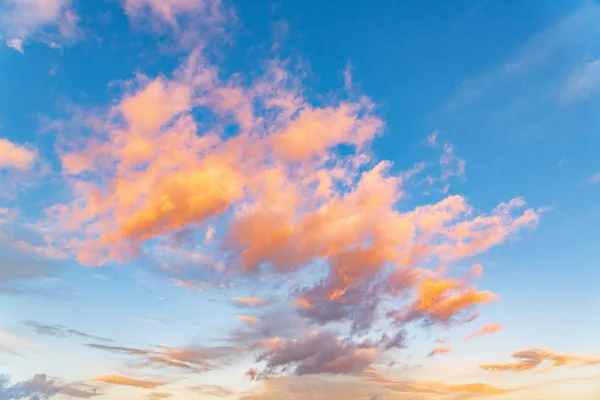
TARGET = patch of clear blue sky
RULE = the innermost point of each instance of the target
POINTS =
(416, 60)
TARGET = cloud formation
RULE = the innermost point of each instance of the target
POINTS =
(486, 330)
(439, 350)
(61, 331)
(50, 19)
(16, 156)
(531, 359)
(187, 359)
(316, 353)
(125, 381)
(41, 387)
(249, 302)
(369, 385)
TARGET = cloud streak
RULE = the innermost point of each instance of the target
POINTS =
(532, 359)
(485, 330)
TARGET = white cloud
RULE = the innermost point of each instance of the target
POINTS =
(21, 19)
(594, 179)
(15, 43)
(583, 82)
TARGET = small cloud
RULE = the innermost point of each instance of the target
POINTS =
(486, 330)
(210, 234)
(61, 331)
(594, 179)
(249, 320)
(125, 381)
(583, 82)
(348, 76)
(249, 301)
(16, 43)
(15, 156)
(431, 140)
(194, 286)
(439, 350)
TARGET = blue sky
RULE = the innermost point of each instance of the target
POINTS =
(224, 199)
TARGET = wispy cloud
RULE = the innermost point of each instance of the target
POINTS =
(126, 381)
(31, 19)
(42, 387)
(532, 359)
(594, 179)
(486, 330)
(439, 350)
(61, 331)
(583, 82)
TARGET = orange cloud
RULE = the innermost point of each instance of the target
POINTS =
(15, 156)
(486, 330)
(124, 381)
(249, 301)
(533, 358)
(370, 384)
(281, 193)
(249, 320)
(315, 131)
(444, 301)
(439, 350)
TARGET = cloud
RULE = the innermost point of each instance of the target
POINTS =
(295, 187)
(594, 179)
(531, 359)
(316, 353)
(16, 44)
(583, 82)
(187, 359)
(24, 19)
(125, 381)
(61, 331)
(11, 344)
(535, 66)
(439, 350)
(212, 391)
(41, 387)
(191, 21)
(15, 156)
(486, 330)
(444, 301)
(431, 139)
(249, 302)
(369, 385)
(451, 165)
(249, 320)
(159, 395)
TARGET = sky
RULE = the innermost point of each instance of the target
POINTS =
(265, 200)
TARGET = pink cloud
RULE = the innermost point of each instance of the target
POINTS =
(486, 330)
(15, 156)
(439, 350)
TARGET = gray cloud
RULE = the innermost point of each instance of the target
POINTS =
(41, 387)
